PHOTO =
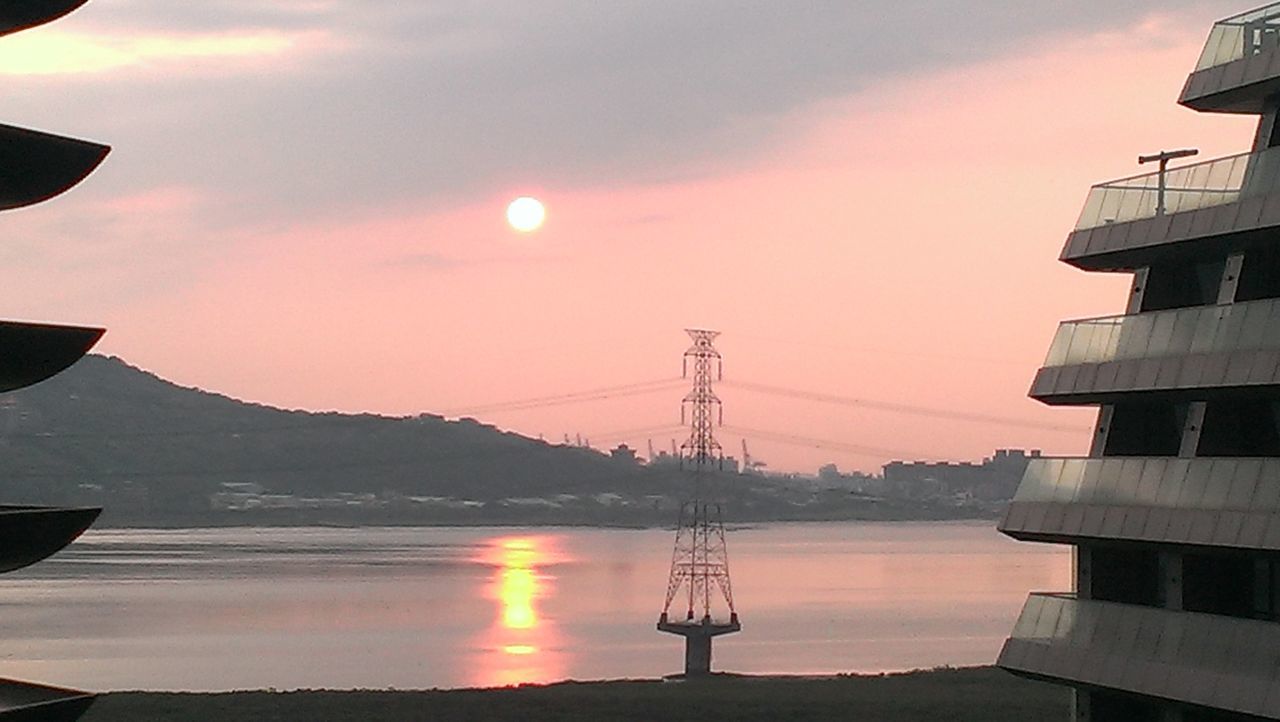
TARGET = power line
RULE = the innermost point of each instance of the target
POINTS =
(608, 392)
(807, 441)
(900, 408)
(600, 393)
(634, 433)
(883, 351)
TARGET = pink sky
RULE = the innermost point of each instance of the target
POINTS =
(895, 243)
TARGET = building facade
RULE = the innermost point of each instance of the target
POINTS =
(995, 479)
(1174, 517)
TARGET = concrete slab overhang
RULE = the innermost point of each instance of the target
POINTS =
(1205, 660)
(1239, 67)
(1222, 502)
(1240, 86)
(1211, 350)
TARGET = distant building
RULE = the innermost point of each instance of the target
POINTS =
(1174, 517)
(994, 479)
(624, 454)
(663, 458)
(727, 464)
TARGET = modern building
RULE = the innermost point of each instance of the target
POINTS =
(1174, 518)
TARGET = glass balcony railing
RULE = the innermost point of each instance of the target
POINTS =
(1246, 34)
(1210, 660)
(1246, 484)
(1201, 501)
(1249, 326)
(1186, 188)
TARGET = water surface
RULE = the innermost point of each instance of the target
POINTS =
(220, 609)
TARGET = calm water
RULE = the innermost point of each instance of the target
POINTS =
(412, 608)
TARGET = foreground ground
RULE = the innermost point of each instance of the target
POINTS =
(952, 695)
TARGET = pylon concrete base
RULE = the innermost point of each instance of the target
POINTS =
(697, 640)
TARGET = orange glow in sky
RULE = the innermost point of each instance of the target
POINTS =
(54, 52)
(895, 239)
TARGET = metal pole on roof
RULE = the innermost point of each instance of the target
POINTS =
(1163, 157)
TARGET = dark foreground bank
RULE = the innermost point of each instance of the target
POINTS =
(956, 695)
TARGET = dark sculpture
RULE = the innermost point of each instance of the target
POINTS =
(34, 167)
(37, 166)
(18, 15)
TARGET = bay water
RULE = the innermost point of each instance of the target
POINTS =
(414, 608)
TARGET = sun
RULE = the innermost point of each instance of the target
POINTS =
(526, 214)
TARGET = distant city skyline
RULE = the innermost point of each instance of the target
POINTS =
(306, 203)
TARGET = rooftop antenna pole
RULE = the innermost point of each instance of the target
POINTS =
(1163, 157)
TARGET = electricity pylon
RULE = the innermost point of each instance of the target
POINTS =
(700, 559)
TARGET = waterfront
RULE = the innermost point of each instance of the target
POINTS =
(219, 609)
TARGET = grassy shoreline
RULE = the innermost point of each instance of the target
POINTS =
(971, 694)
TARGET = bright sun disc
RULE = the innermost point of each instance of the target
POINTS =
(526, 214)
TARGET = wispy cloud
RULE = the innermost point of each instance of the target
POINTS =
(60, 53)
(453, 99)
(324, 229)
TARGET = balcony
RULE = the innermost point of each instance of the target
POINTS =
(1126, 221)
(1209, 502)
(1205, 660)
(1187, 188)
(1240, 65)
(1209, 348)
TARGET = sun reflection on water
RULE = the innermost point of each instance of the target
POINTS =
(520, 645)
(519, 584)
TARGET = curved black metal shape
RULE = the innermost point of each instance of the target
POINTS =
(36, 166)
(27, 702)
(32, 352)
(31, 533)
(18, 15)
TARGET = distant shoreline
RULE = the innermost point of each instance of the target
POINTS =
(514, 524)
(288, 518)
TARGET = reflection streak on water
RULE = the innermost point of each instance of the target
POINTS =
(520, 646)
(518, 584)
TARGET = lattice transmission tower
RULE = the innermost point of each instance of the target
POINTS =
(700, 561)
(701, 407)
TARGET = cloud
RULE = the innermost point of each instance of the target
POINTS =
(448, 100)
(57, 53)
(919, 212)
